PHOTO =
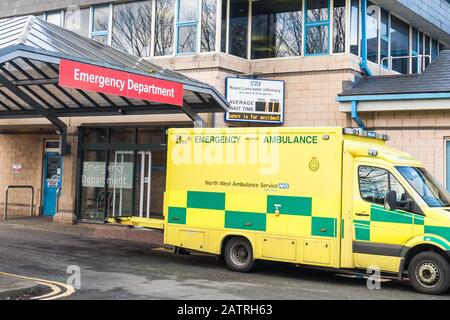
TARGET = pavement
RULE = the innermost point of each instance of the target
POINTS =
(100, 268)
(14, 288)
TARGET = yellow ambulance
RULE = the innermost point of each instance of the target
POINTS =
(328, 197)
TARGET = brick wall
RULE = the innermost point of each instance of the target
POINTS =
(311, 83)
(26, 150)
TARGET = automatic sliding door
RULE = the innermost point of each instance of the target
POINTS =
(143, 184)
(93, 194)
(120, 183)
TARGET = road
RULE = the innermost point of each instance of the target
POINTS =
(113, 269)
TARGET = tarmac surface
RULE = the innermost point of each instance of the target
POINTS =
(118, 269)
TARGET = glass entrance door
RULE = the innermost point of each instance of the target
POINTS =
(122, 173)
(144, 182)
(121, 188)
(120, 183)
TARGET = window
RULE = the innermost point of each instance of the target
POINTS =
(384, 38)
(276, 28)
(427, 51)
(100, 24)
(209, 14)
(434, 49)
(372, 31)
(447, 163)
(415, 50)
(131, 29)
(426, 186)
(238, 33)
(54, 17)
(354, 27)
(164, 27)
(116, 182)
(374, 183)
(421, 51)
(339, 26)
(187, 26)
(224, 26)
(77, 21)
(317, 27)
(399, 44)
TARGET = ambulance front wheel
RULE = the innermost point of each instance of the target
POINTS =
(429, 273)
(239, 255)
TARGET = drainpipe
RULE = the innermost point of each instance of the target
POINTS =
(364, 65)
(356, 117)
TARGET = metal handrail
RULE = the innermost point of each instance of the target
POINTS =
(5, 212)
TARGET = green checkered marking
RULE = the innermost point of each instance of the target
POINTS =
(438, 241)
(177, 215)
(245, 220)
(323, 227)
(362, 230)
(419, 220)
(443, 232)
(299, 206)
(379, 214)
(206, 200)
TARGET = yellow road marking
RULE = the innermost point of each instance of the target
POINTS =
(55, 286)
(55, 290)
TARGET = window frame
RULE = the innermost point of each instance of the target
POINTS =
(314, 24)
(108, 32)
(446, 166)
(390, 42)
(389, 174)
(187, 24)
(61, 16)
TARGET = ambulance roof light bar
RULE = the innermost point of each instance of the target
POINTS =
(367, 134)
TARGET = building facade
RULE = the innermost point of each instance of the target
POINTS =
(317, 48)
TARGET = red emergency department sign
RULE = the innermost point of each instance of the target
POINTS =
(109, 81)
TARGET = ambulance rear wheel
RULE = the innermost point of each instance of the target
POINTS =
(429, 273)
(239, 255)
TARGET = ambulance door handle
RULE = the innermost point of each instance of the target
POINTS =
(362, 214)
(248, 224)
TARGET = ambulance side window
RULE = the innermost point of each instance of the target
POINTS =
(374, 183)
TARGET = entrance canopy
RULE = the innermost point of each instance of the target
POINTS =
(47, 71)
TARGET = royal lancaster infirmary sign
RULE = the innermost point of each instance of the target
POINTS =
(254, 100)
(110, 81)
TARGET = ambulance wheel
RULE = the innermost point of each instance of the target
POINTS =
(239, 255)
(429, 273)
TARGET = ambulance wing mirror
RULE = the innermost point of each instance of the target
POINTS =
(390, 202)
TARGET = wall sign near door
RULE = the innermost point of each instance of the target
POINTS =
(110, 81)
(254, 100)
(17, 168)
(120, 175)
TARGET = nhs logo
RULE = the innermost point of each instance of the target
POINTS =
(283, 186)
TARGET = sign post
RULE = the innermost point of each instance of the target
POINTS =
(89, 77)
(254, 100)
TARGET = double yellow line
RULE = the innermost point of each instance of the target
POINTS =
(58, 289)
